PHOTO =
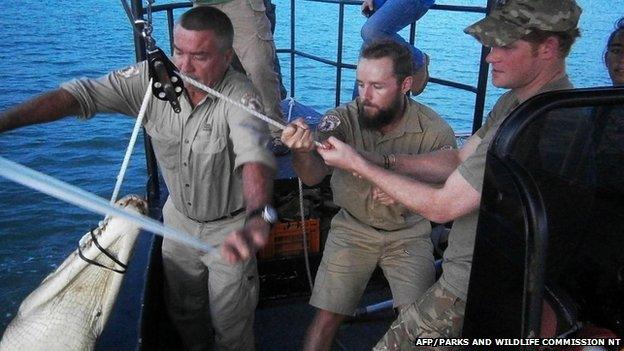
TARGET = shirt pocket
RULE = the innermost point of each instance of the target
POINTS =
(206, 144)
(167, 149)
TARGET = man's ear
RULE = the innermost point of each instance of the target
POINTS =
(406, 85)
(549, 49)
(229, 54)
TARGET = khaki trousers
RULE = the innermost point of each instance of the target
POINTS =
(201, 288)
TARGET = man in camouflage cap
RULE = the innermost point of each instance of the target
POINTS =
(529, 41)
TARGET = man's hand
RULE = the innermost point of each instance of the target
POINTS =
(298, 136)
(367, 7)
(383, 198)
(242, 244)
(335, 153)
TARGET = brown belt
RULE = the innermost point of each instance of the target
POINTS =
(230, 215)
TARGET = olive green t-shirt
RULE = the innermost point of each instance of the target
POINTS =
(458, 254)
(199, 150)
(421, 130)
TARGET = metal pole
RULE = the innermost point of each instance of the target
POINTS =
(484, 68)
(153, 184)
(292, 48)
(339, 58)
(170, 27)
(139, 44)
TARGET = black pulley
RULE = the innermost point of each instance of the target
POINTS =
(167, 85)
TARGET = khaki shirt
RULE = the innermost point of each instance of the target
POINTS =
(458, 255)
(421, 130)
(201, 149)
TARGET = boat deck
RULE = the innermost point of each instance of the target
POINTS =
(281, 325)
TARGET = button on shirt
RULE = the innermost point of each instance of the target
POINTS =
(200, 150)
(421, 130)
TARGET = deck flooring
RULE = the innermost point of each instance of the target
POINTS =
(281, 324)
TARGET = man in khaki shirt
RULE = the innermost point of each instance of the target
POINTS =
(214, 161)
(529, 42)
(370, 229)
(255, 48)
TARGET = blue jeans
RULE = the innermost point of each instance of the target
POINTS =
(389, 17)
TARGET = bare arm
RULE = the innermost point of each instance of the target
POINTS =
(257, 185)
(432, 167)
(257, 190)
(45, 108)
(456, 198)
(437, 166)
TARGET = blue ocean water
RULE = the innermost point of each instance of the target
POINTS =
(43, 44)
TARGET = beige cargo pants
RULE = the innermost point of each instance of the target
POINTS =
(202, 288)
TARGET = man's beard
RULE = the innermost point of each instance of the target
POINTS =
(383, 117)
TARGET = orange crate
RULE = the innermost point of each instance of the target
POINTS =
(286, 239)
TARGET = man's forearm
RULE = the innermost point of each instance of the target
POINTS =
(48, 107)
(257, 185)
(433, 167)
(438, 204)
(310, 167)
(412, 193)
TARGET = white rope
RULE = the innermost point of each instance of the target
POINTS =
(255, 113)
(291, 104)
(304, 233)
(133, 138)
(74, 195)
(235, 103)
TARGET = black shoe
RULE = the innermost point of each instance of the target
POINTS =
(278, 148)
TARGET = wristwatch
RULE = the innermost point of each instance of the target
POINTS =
(267, 213)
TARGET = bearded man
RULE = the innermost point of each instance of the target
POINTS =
(370, 229)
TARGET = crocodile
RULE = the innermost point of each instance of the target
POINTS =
(71, 306)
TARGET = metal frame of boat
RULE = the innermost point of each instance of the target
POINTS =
(139, 321)
(551, 218)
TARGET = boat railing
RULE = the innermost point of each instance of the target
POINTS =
(337, 62)
(479, 90)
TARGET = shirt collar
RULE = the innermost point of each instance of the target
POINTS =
(209, 98)
(560, 83)
(410, 121)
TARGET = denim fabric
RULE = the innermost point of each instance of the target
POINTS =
(389, 17)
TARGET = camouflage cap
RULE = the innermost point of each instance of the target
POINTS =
(510, 20)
